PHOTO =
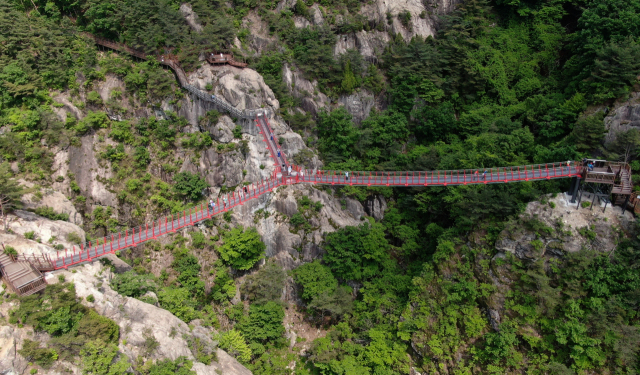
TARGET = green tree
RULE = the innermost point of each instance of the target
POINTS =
(337, 134)
(189, 185)
(234, 343)
(349, 81)
(131, 284)
(242, 248)
(356, 253)
(178, 301)
(10, 192)
(315, 279)
(264, 322)
(266, 284)
(99, 358)
(179, 366)
(588, 133)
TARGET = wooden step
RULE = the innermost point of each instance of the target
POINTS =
(5, 259)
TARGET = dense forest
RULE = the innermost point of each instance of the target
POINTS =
(501, 83)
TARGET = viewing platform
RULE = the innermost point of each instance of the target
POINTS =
(215, 58)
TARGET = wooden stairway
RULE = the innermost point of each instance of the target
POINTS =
(21, 277)
(625, 187)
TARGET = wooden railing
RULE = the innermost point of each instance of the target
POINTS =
(41, 263)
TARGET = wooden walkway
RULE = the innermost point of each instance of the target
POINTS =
(21, 276)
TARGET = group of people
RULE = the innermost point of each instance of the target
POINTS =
(225, 202)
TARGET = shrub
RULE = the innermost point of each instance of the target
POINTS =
(264, 322)
(266, 284)
(30, 235)
(91, 298)
(179, 366)
(189, 185)
(237, 132)
(234, 343)
(32, 352)
(74, 238)
(585, 204)
(242, 249)
(10, 251)
(198, 240)
(131, 284)
(315, 279)
(102, 358)
(49, 213)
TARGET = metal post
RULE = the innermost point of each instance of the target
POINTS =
(575, 190)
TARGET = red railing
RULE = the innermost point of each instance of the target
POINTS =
(131, 237)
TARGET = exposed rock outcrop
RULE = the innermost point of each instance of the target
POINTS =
(546, 230)
(623, 118)
(358, 104)
(291, 247)
(423, 15)
(44, 230)
(312, 99)
(139, 320)
(375, 207)
(54, 200)
(89, 174)
(191, 17)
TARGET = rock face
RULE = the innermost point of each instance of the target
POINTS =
(44, 229)
(370, 44)
(55, 200)
(623, 118)
(288, 246)
(358, 104)
(191, 17)
(423, 19)
(375, 207)
(548, 230)
(139, 320)
(83, 163)
(312, 99)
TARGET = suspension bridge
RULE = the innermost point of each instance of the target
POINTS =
(23, 274)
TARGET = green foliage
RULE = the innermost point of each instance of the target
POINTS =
(198, 240)
(179, 366)
(58, 312)
(242, 248)
(178, 301)
(315, 279)
(264, 323)
(234, 343)
(9, 250)
(99, 358)
(49, 213)
(131, 284)
(32, 352)
(356, 253)
(188, 270)
(189, 185)
(265, 285)
(224, 287)
(10, 190)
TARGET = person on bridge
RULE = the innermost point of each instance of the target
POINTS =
(590, 166)
(289, 170)
(278, 153)
(211, 204)
(568, 165)
(484, 175)
(346, 175)
(475, 176)
(302, 174)
(224, 200)
(246, 191)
